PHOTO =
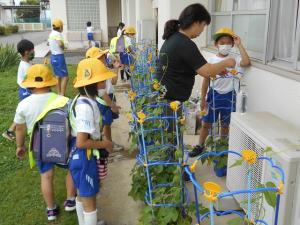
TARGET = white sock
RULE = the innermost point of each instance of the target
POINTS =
(79, 210)
(90, 218)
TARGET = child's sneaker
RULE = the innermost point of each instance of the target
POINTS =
(52, 213)
(9, 135)
(70, 205)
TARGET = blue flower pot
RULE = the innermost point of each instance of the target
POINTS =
(220, 172)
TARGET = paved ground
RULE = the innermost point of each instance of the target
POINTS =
(36, 37)
(114, 205)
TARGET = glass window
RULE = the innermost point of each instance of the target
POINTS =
(250, 4)
(251, 29)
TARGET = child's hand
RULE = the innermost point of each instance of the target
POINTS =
(203, 105)
(116, 64)
(237, 40)
(20, 152)
(223, 73)
(116, 109)
(230, 62)
(108, 145)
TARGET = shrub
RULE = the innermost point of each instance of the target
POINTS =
(7, 30)
(8, 56)
(14, 28)
(2, 30)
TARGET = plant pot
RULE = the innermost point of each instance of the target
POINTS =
(220, 172)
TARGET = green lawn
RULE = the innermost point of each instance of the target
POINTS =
(21, 201)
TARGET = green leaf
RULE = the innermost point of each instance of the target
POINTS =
(270, 196)
(236, 221)
(267, 150)
(238, 162)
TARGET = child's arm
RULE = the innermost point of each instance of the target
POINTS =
(212, 70)
(114, 80)
(61, 44)
(110, 103)
(83, 141)
(20, 140)
(245, 60)
(205, 84)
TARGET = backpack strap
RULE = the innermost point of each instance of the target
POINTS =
(75, 102)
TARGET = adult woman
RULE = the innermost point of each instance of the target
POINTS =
(180, 59)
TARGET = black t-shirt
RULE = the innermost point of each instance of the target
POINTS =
(179, 59)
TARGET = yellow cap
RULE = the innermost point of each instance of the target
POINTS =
(90, 71)
(130, 30)
(95, 52)
(57, 23)
(39, 76)
(224, 31)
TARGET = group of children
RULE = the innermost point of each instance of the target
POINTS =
(94, 110)
(90, 114)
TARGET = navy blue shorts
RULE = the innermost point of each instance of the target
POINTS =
(23, 93)
(44, 167)
(219, 105)
(84, 172)
(107, 114)
(59, 65)
(125, 58)
(90, 36)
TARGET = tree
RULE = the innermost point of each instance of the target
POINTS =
(30, 14)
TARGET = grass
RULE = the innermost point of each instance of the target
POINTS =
(21, 201)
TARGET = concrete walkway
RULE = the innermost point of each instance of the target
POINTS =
(35, 37)
(114, 204)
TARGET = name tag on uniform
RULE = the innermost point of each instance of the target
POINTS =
(76, 156)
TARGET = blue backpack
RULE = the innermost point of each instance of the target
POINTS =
(51, 133)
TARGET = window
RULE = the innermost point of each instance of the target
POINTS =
(81, 11)
(248, 18)
(270, 29)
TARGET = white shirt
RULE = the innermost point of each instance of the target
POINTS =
(30, 108)
(90, 30)
(128, 40)
(87, 119)
(109, 87)
(54, 37)
(22, 70)
(119, 33)
(226, 85)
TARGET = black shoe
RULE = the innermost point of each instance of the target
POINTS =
(197, 150)
(186, 177)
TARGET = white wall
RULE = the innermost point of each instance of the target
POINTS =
(131, 13)
(171, 9)
(59, 10)
(103, 21)
(145, 13)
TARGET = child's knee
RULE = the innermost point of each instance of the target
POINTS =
(206, 125)
(48, 175)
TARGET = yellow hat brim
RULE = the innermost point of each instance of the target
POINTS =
(94, 79)
(35, 84)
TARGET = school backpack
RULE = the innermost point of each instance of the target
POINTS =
(51, 132)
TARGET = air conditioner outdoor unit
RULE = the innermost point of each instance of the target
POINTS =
(256, 131)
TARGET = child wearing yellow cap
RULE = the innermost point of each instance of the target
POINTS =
(109, 110)
(221, 93)
(85, 119)
(39, 80)
(58, 62)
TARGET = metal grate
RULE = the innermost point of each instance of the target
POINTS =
(237, 177)
(79, 12)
